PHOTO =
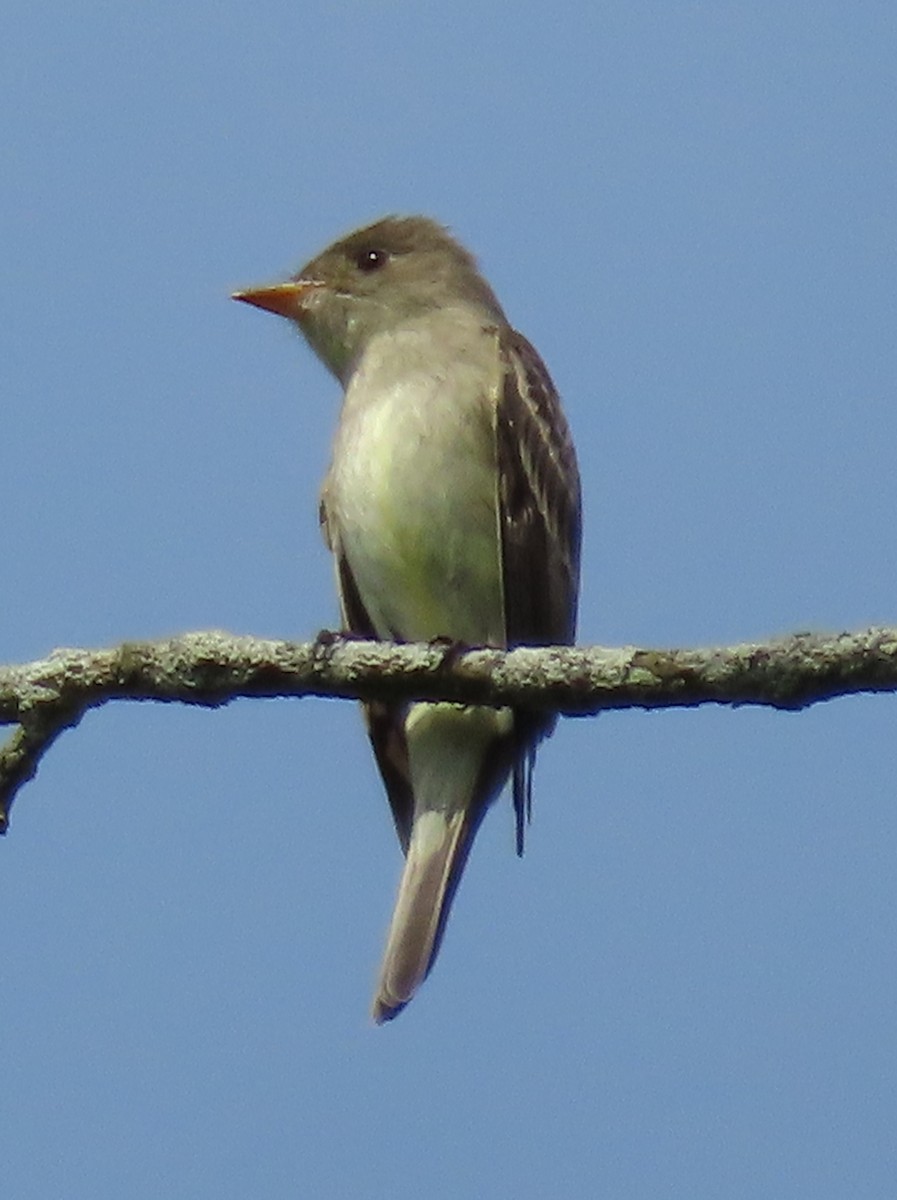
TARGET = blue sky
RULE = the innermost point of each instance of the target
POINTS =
(687, 987)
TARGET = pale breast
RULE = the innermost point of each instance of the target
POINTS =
(412, 488)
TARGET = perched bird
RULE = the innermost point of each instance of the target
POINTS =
(452, 508)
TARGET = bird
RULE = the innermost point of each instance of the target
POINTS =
(452, 508)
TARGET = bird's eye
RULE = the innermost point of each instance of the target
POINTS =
(371, 259)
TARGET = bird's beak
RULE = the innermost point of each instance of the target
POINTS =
(286, 299)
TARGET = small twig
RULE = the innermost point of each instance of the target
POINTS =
(213, 668)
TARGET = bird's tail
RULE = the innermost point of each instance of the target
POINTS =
(436, 855)
(459, 760)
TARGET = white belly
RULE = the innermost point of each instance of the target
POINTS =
(413, 492)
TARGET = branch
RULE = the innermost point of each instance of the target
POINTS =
(210, 669)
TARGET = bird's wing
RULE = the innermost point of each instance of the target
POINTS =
(385, 722)
(539, 498)
(540, 525)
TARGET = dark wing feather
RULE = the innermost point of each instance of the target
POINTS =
(539, 501)
(539, 497)
(385, 722)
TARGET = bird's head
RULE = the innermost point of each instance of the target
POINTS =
(372, 281)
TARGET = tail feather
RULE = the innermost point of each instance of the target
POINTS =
(458, 759)
(436, 856)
